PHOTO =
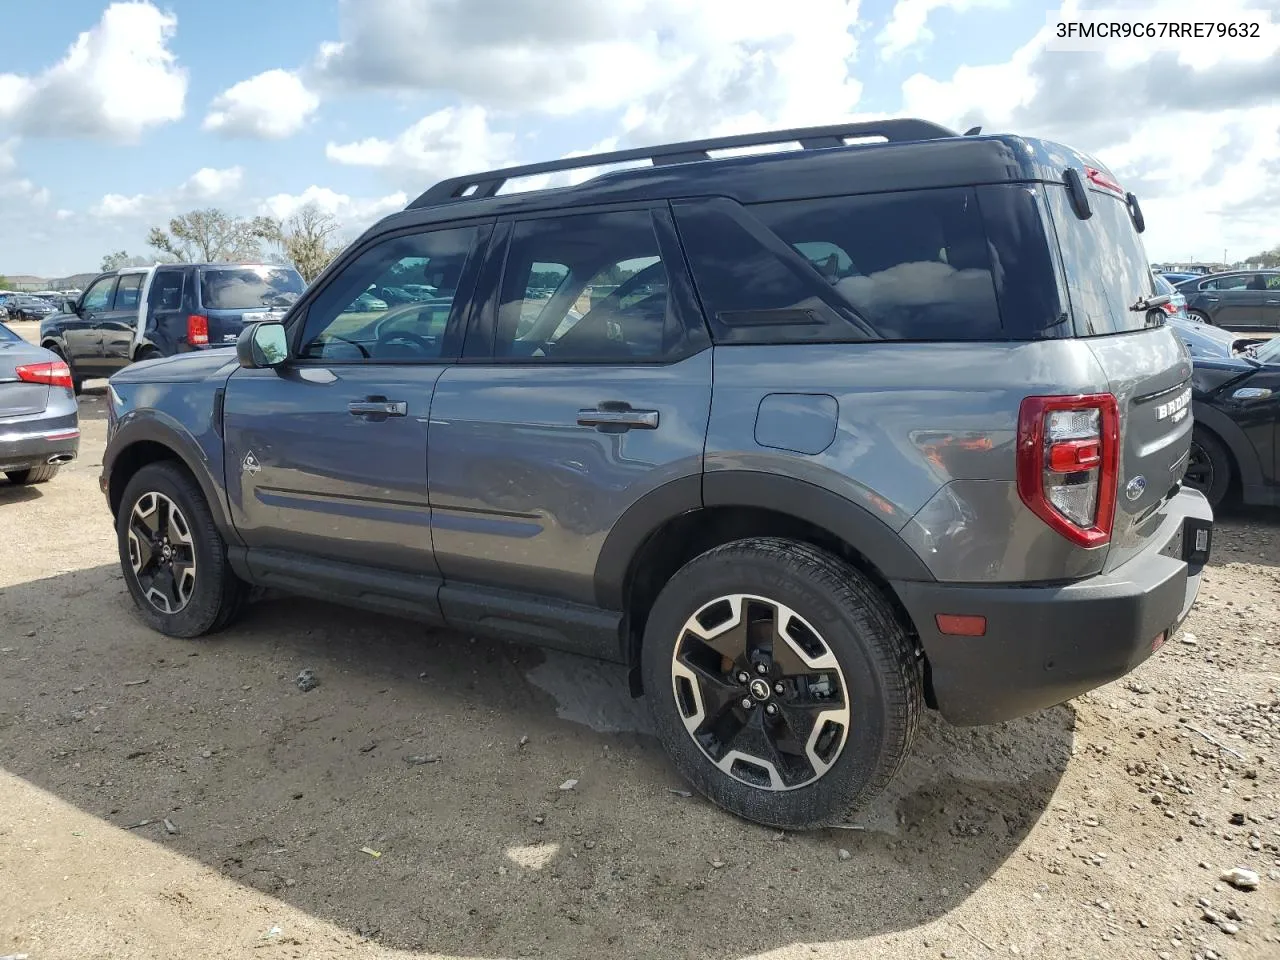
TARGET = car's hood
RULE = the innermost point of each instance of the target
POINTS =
(1207, 342)
(185, 367)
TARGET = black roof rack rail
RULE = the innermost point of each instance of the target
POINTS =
(487, 184)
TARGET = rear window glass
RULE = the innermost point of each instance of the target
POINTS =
(1106, 267)
(7, 335)
(248, 288)
(901, 266)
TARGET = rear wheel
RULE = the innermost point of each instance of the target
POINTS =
(1209, 467)
(780, 682)
(173, 558)
(147, 353)
(41, 474)
(1198, 315)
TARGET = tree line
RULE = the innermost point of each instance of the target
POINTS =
(309, 239)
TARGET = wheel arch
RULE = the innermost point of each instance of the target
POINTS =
(1243, 455)
(140, 442)
(674, 523)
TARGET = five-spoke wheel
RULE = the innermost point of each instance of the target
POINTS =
(162, 552)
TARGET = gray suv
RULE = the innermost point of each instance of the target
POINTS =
(810, 440)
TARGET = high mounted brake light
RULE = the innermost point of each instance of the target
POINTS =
(1100, 179)
(1068, 464)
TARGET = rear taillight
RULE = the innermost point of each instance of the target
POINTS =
(1069, 464)
(197, 330)
(55, 374)
(1170, 308)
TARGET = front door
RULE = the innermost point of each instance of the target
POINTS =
(326, 457)
(81, 333)
(585, 385)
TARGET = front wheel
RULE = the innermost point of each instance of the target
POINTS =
(173, 558)
(781, 682)
(1209, 466)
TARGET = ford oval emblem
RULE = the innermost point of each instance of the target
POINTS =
(1136, 487)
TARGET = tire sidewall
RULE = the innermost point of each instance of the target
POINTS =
(864, 751)
(202, 610)
(1217, 454)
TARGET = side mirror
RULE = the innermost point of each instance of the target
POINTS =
(262, 345)
(68, 306)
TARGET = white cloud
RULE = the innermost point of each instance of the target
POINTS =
(209, 184)
(445, 143)
(1195, 133)
(25, 190)
(270, 106)
(203, 187)
(116, 80)
(8, 162)
(352, 213)
(64, 214)
(908, 24)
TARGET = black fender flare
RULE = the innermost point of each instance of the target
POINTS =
(852, 523)
(187, 450)
(1229, 432)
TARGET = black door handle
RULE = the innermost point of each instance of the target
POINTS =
(611, 417)
(378, 407)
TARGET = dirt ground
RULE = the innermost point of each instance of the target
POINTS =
(162, 798)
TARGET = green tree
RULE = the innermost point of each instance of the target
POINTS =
(121, 258)
(1267, 259)
(213, 235)
(310, 240)
(4, 282)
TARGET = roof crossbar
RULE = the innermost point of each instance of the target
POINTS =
(487, 184)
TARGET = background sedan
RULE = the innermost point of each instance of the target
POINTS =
(1247, 300)
(39, 425)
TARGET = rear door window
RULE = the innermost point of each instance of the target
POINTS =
(1106, 267)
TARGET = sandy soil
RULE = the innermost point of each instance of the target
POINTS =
(1096, 829)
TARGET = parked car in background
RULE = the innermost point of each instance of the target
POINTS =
(1245, 300)
(1178, 277)
(366, 303)
(1236, 444)
(785, 438)
(39, 425)
(143, 313)
(25, 307)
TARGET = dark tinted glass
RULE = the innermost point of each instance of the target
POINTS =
(902, 266)
(1106, 267)
(248, 288)
(166, 290)
(392, 302)
(127, 291)
(586, 288)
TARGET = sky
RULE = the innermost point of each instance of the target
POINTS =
(116, 116)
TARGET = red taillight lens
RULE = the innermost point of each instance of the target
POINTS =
(55, 374)
(1069, 464)
(197, 330)
(1170, 308)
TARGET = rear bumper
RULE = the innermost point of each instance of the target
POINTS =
(33, 443)
(1044, 645)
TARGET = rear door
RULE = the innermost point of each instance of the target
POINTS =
(1146, 366)
(231, 295)
(119, 325)
(165, 326)
(1269, 318)
(586, 383)
(327, 455)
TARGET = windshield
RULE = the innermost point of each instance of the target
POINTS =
(1105, 264)
(1268, 352)
(247, 288)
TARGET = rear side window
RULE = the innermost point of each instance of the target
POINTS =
(1106, 268)
(901, 266)
(166, 290)
(248, 288)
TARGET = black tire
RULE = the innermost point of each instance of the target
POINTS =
(147, 353)
(1210, 469)
(218, 594)
(1202, 317)
(41, 474)
(876, 656)
(76, 381)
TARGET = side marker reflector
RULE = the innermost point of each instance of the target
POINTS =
(961, 625)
